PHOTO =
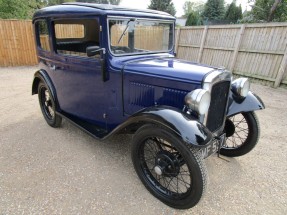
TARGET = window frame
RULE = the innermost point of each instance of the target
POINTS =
(139, 53)
(53, 34)
(38, 39)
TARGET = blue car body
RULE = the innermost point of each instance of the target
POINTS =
(117, 93)
(113, 70)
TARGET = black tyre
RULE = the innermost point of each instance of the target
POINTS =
(172, 171)
(47, 105)
(242, 132)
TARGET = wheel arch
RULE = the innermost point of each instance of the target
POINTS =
(184, 126)
(42, 75)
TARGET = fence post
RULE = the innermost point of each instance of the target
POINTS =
(202, 43)
(177, 39)
(236, 48)
(281, 70)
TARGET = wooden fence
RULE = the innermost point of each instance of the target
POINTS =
(257, 51)
(17, 46)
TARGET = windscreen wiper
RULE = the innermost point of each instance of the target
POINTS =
(128, 25)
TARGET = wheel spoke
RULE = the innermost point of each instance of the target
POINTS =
(240, 134)
(175, 178)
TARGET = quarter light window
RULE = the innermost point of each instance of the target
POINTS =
(43, 35)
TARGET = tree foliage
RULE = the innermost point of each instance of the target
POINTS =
(18, 9)
(214, 10)
(195, 6)
(24, 9)
(188, 7)
(193, 18)
(163, 5)
(233, 13)
(269, 10)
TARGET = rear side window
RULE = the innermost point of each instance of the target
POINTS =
(69, 31)
(72, 37)
(43, 35)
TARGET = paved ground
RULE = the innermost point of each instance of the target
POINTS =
(53, 171)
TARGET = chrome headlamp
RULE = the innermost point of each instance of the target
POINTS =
(198, 100)
(240, 86)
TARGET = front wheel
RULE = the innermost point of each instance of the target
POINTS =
(242, 132)
(172, 171)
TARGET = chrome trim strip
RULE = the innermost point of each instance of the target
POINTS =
(214, 77)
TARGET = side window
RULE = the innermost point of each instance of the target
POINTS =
(72, 37)
(43, 35)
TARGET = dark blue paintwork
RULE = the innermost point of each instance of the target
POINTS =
(132, 84)
(159, 81)
(175, 120)
(252, 102)
(78, 9)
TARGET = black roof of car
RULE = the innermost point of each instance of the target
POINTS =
(76, 8)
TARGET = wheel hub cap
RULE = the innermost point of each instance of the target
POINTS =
(48, 104)
(158, 170)
(167, 164)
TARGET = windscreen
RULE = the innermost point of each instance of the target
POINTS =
(132, 36)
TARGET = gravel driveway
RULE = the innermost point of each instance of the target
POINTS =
(65, 171)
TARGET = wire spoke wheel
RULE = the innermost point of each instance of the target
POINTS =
(165, 167)
(169, 169)
(47, 105)
(242, 132)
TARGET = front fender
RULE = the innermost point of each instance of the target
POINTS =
(251, 102)
(187, 128)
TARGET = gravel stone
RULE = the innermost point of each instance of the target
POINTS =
(65, 171)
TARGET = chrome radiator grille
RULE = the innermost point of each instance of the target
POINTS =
(216, 112)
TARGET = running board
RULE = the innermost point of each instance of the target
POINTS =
(93, 130)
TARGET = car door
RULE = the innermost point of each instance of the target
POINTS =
(77, 77)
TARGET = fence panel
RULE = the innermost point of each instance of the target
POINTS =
(189, 44)
(17, 46)
(257, 51)
(254, 50)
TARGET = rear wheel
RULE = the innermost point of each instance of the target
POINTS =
(242, 132)
(47, 105)
(172, 171)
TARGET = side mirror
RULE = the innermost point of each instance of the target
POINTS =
(93, 50)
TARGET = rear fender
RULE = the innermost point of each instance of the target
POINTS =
(42, 75)
(251, 102)
(184, 126)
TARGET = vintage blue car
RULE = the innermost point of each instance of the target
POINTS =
(110, 70)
